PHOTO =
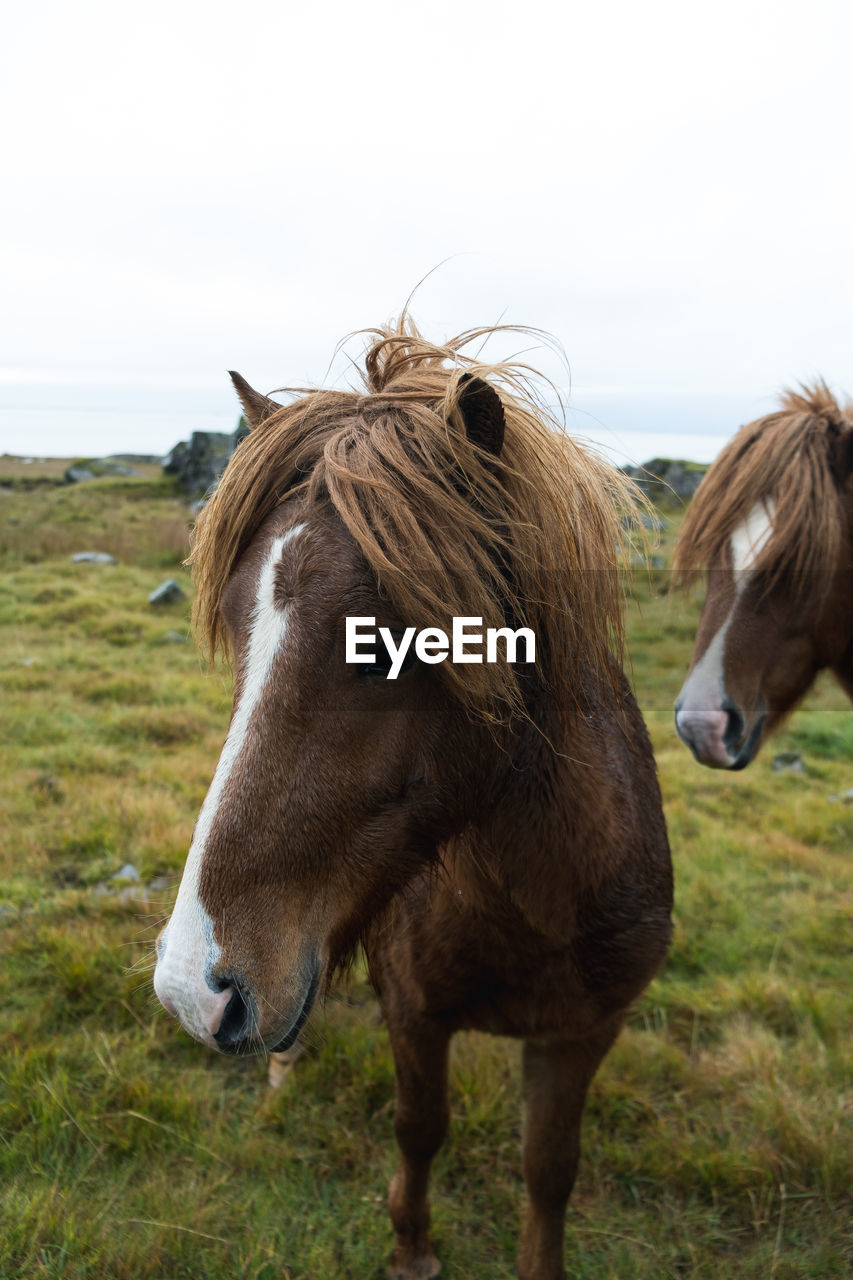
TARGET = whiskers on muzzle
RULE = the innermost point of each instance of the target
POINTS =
(229, 1014)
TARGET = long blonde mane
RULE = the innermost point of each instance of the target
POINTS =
(448, 530)
(785, 457)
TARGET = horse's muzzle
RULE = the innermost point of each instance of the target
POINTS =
(718, 736)
(238, 1030)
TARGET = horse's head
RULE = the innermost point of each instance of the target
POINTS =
(327, 796)
(431, 498)
(335, 784)
(778, 570)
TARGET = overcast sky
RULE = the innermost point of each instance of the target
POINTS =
(191, 187)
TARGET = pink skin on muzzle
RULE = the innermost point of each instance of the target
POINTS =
(189, 998)
(702, 729)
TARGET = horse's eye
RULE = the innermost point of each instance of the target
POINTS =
(380, 669)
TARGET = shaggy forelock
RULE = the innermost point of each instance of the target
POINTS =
(531, 538)
(784, 457)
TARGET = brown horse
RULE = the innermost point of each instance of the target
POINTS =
(772, 526)
(491, 833)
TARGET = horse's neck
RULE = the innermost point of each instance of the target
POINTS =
(843, 608)
(550, 836)
(843, 670)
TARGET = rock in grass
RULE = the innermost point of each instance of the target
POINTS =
(93, 468)
(93, 557)
(655, 523)
(174, 637)
(169, 592)
(199, 463)
(668, 479)
(788, 762)
(843, 797)
(127, 872)
(49, 787)
(131, 893)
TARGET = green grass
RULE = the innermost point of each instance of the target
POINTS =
(717, 1136)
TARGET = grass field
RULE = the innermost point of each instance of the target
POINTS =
(717, 1138)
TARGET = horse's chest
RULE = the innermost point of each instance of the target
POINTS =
(472, 976)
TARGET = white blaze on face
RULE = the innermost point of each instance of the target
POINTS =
(700, 717)
(188, 949)
(750, 539)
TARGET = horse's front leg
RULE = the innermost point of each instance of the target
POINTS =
(420, 1123)
(556, 1077)
(282, 1063)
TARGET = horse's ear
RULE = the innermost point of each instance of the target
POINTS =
(256, 407)
(482, 413)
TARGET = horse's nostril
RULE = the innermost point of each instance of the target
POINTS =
(236, 1021)
(734, 726)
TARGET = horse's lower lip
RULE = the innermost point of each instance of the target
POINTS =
(302, 1017)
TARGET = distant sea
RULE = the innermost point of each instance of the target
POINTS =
(63, 419)
(89, 419)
